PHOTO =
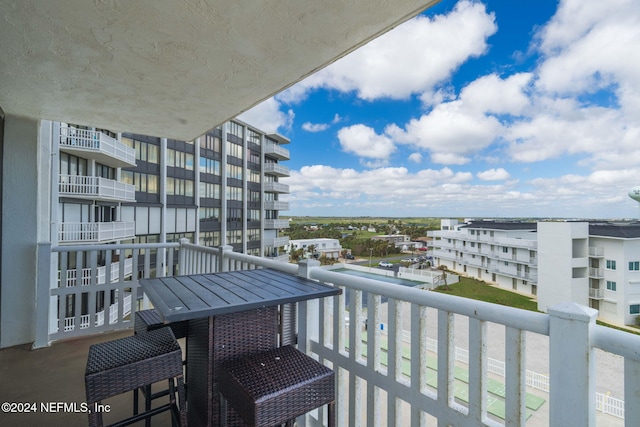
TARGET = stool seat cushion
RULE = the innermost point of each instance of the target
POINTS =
(275, 386)
(125, 364)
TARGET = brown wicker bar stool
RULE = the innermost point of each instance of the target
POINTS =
(276, 386)
(145, 321)
(126, 364)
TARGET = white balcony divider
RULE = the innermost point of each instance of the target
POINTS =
(381, 375)
(96, 187)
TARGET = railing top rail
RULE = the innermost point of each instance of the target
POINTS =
(508, 316)
(618, 342)
(263, 262)
(72, 248)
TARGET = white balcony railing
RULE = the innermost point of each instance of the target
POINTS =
(107, 150)
(410, 366)
(596, 293)
(276, 224)
(84, 276)
(276, 187)
(95, 188)
(276, 205)
(276, 169)
(276, 150)
(95, 232)
(277, 242)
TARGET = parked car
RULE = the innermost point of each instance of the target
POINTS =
(349, 256)
(385, 264)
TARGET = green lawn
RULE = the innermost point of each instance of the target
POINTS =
(475, 289)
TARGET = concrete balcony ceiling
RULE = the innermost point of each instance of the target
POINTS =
(173, 68)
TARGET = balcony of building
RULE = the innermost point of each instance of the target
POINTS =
(596, 293)
(596, 252)
(95, 188)
(276, 187)
(276, 205)
(276, 169)
(276, 151)
(277, 242)
(95, 232)
(276, 224)
(428, 362)
(98, 146)
(596, 273)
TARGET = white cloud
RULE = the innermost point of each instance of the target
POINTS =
(491, 94)
(415, 157)
(590, 45)
(410, 59)
(364, 142)
(314, 127)
(493, 175)
(451, 132)
(268, 117)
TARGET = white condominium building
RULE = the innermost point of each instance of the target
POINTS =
(595, 264)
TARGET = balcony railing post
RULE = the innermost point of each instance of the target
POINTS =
(224, 259)
(308, 320)
(571, 365)
(43, 299)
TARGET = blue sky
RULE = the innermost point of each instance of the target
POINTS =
(473, 108)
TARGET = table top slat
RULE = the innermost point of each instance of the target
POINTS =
(201, 295)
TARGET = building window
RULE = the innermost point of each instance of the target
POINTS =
(253, 137)
(634, 265)
(234, 236)
(254, 196)
(179, 187)
(144, 183)
(210, 142)
(145, 152)
(505, 249)
(254, 215)
(611, 285)
(210, 191)
(235, 150)
(179, 159)
(234, 171)
(234, 214)
(209, 214)
(253, 234)
(634, 309)
(234, 193)
(611, 264)
(209, 166)
(254, 176)
(236, 129)
(209, 238)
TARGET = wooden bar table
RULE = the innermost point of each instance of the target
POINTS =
(230, 314)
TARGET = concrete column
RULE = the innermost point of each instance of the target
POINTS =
(26, 205)
(571, 365)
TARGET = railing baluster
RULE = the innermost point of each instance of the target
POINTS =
(477, 369)
(374, 417)
(446, 361)
(515, 389)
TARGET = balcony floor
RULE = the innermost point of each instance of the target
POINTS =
(56, 374)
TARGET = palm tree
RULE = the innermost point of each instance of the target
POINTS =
(444, 270)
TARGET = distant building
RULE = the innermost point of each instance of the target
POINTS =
(393, 238)
(330, 248)
(590, 263)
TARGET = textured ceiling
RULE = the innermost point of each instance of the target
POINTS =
(172, 68)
